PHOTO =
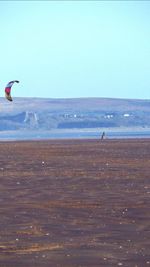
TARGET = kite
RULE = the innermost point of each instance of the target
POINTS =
(8, 89)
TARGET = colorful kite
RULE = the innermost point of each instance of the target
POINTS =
(8, 89)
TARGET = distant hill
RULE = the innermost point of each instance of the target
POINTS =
(79, 113)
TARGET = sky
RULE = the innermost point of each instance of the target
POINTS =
(67, 49)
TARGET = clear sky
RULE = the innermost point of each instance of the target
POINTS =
(62, 49)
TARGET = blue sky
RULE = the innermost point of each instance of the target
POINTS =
(63, 49)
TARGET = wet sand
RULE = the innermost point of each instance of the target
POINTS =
(75, 203)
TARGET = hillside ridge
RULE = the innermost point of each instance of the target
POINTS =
(70, 113)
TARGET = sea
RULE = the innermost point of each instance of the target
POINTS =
(72, 134)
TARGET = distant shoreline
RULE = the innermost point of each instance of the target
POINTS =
(88, 133)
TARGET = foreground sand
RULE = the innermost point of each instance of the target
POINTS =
(75, 203)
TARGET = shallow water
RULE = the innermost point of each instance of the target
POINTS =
(35, 135)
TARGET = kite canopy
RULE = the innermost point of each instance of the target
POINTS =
(8, 89)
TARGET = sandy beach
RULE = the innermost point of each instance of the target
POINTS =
(75, 203)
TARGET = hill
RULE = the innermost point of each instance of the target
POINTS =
(76, 113)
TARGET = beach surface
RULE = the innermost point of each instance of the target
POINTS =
(75, 203)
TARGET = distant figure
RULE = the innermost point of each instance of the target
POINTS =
(103, 136)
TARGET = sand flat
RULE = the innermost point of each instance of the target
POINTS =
(71, 203)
